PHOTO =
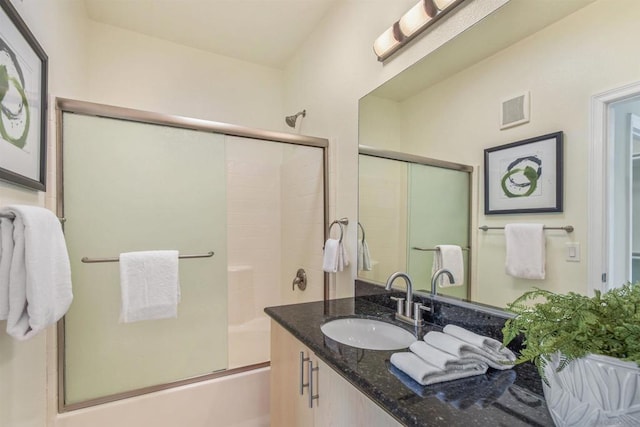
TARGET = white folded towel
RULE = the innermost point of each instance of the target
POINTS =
(425, 373)
(449, 257)
(525, 245)
(446, 361)
(492, 346)
(364, 257)
(39, 275)
(332, 252)
(149, 285)
(6, 254)
(464, 350)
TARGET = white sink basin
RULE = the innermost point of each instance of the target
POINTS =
(368, 333)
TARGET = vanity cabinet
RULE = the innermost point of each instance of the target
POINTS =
(338, 403)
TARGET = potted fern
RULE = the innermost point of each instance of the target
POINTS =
(587, 351)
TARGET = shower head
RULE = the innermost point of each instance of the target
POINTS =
(291, 120)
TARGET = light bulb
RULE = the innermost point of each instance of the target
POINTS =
(385, 42)
(414, 19)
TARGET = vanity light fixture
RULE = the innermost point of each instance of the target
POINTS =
(410, 25)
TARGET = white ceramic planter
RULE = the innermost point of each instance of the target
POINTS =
(593, 391)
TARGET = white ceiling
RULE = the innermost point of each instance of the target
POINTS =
(265, 32)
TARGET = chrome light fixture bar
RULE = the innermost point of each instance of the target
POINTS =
(417, 19)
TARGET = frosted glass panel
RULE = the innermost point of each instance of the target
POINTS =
(127, 187)
(438, 214)
(383, 215)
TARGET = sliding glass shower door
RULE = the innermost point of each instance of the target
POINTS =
(129, 187)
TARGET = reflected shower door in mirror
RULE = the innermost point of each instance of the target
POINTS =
(407, 206)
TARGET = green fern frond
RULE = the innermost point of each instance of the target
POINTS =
(575, 325)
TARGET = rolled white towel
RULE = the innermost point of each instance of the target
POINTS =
(425, 373)
(462, 349)
(446, 361)
(490, 345)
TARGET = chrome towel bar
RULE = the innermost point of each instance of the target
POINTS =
(341, 222)
(95, 260)
(12, 216)
(567, 228)
(432, 249)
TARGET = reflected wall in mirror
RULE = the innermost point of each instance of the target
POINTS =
(407, 206)
(447, 106)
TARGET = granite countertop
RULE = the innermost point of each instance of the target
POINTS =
(499, 398)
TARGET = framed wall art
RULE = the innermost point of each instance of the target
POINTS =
(23, 102)
(524, 176)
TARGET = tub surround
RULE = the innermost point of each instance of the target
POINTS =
(512, 397)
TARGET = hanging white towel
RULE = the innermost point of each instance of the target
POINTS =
(6, 254)
(525, 246)
(364, 258)
(39, 275)
(343, 257)
(331, 254)
(149, 285)
(449, 257)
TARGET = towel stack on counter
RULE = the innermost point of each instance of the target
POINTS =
(452, 354)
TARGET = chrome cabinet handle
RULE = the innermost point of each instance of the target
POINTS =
(310, 383)
(302, 384)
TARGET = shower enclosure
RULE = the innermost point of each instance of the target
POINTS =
(131, 181)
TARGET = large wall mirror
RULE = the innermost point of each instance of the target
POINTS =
(448, 106)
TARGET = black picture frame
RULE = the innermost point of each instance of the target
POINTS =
(524, 176)
(23, 103)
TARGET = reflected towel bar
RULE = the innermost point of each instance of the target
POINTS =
(432, 249)
(567, 228)
(12, 216)
(94, 260)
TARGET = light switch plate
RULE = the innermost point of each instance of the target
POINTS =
(573, 251)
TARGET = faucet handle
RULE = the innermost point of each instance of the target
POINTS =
(400, 302)
(418, 308)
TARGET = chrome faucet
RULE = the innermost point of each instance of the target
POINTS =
(405, 314)
(436, 275)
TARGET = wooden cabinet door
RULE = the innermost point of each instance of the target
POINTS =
(288, 407)
(341, 404)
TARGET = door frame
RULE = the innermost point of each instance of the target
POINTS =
(600, 186)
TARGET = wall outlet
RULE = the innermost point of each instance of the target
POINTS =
(573, 251)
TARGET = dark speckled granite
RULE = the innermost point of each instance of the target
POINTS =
(499, 398)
